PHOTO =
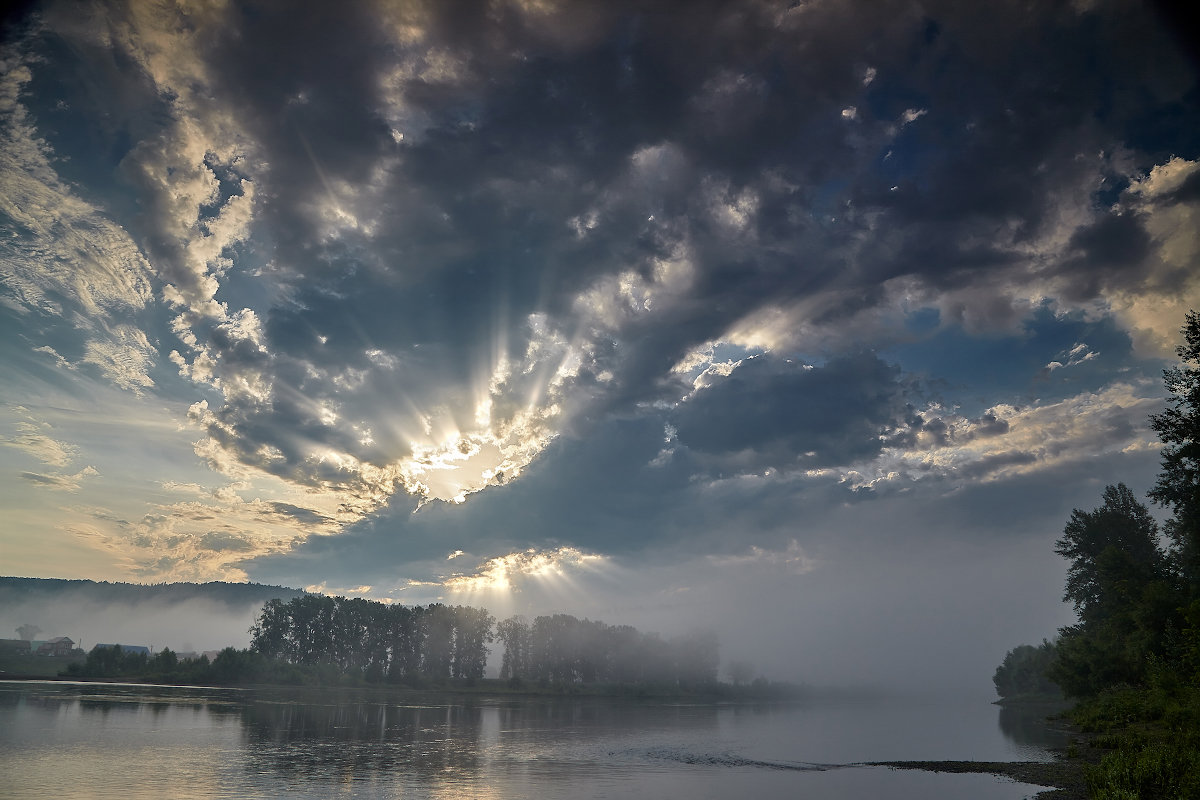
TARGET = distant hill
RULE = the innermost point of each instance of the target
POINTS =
(23, 591)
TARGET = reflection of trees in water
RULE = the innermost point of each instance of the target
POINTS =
(372, 741)
(601, 715)
(1028, 725)
(131, 698)
(348, 740)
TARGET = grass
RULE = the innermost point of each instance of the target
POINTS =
(1154, 738)
(25, 666)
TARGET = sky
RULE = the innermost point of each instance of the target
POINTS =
(807, 322)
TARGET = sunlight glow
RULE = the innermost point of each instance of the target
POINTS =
(505, 573)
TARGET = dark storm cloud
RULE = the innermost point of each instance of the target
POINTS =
(365, 220)
(772, 412)
(606, 494)
(967, 126)
(534, 108)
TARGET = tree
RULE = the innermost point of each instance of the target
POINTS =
(1113, 551)
(740, 672)
(1178, 486)
(514, 634)
(1118, 583)
(1024, 671)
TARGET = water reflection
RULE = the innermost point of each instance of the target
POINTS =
(1029, 726)
(341, 740)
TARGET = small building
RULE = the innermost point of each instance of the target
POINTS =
(58, 646)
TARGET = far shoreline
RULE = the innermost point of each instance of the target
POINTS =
(492, 687)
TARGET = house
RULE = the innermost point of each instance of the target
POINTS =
(126, 649)
(15, 647)
(58, 646)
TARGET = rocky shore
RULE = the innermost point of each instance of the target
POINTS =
(1064, 775)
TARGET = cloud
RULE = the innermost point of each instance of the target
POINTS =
(1073, 357)
(47, 450)
(62, 256)
(771, 412)
(792, 560)
(66, 483)
(1009, 440)
(412, 256)
(1167, 208)
(509, 571)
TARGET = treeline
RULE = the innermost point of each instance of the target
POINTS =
(230, 667)
(1137, 602)
(375, 641)
(413, 644)
(319, 640)
(564, 650)
(1133, 656)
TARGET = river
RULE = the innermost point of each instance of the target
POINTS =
(77, 740)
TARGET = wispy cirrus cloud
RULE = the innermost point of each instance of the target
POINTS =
(65, 483)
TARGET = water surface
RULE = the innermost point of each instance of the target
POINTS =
(121, 740)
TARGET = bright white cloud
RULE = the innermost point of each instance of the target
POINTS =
(32, 440)
(1154, 311)
(62, 256)
(1009, 440)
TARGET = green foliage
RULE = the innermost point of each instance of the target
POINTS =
(1120, 586)
(1024, 671)
(1113, 552)
(1166, 768)
(231, 667)
(1134, 655)
(110, 662)
(1139, 608)
(1154, 733)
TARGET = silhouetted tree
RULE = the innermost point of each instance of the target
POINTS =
(1178, 426)
(1113, 552)
(514, 634)
(1024, 671)
(1119, 586)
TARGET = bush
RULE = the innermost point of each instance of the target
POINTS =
(1169, 769)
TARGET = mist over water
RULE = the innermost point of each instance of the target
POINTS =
(193, 625)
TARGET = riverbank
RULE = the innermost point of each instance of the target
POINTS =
(1125, 742)
(1066, 775)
